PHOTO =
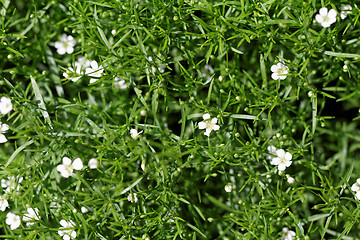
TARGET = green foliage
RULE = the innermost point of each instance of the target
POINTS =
(180, 60)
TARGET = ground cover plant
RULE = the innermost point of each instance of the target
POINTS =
(179, 119)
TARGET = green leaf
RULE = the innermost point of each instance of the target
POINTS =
(342, 55)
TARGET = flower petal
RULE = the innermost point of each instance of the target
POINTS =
(206, 116)
(275, 76)
(281, 167)
(332, 14)
(319, 18)
(323, 11)
(2, 138)
(77, 164)
(60, 168)
(216, 127)
(274, 68)
(64, 223)
(280, 153)
(66, 161)
(207, 132)
(94, 65)
(202, 125)
(288, 156)
(355, 187)
(275, 161)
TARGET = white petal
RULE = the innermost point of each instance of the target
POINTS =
(93, 80)
(323, 11)
(66, 161)
(274, 68)
(202, 125)
(206, 116)
(70, 50)
(357, 195)
(319, 18)
(207, 132)
(355, 187)
(288, 156)
(73, 234)
(281, 167)
(94, 65)
(4, 127)
(280, 153)
(275, 76)
(64, 223)
(280, 65)
(61, 50)
(271, 149)
(2, 138)
(332, 14)
(66, 237)
(288, 163)
(60, 168)
(275, 161)
(77, 164)
(325, 24)
(93, 163)
(70, 38)
(214, 120)
(216, 127)
(63, 37)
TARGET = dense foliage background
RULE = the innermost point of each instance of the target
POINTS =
(180, 60)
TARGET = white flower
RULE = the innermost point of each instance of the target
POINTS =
(31, 216)
(84, 210)
(288, 234)
(357, 196)
(132, 197)
(11, 183)
(12, 220)
(3, 204)
(143, 112)
(325, 17)
(290, 180)
(3, 128)
(272, 151)
(134, 133)
(68, 233)
(279, 71)
(95, 71)
(119, 83)
(73, 74)
(66, 169)
(228, 187)
(283, 159)
(93, 163)
(65, 45)
(356, 186)
(5, 105)
(83, 63)
(344, 11)
(209, 125)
